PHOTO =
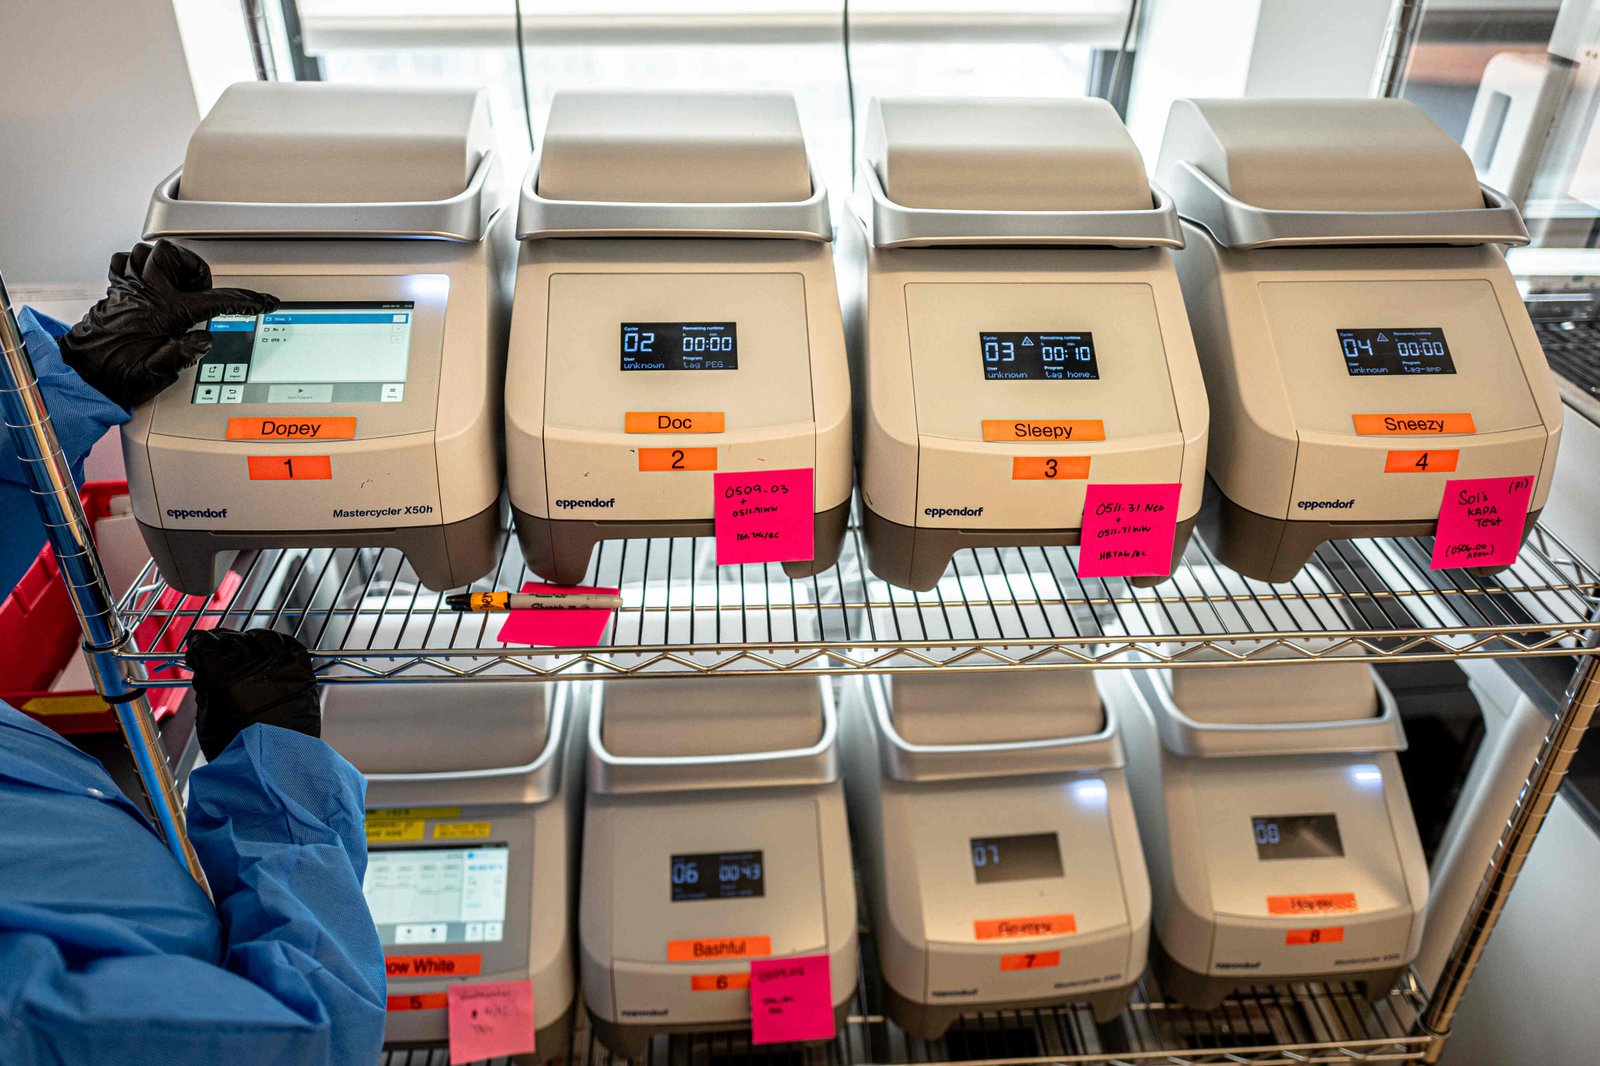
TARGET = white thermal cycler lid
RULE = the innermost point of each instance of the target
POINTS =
(1276, 695)
(315, 143)
(728, 716)
(952, 153)
(987, 708)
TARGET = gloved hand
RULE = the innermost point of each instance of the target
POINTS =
(136, 341)
(241, 679)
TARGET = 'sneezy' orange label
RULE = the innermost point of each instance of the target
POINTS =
(1389, 425)
(425, 1001)
(1334, 934)
(1040, 925)
(1037, 960)
(1435, 462)
(654, 460)
(722, 947)
(672, 422)
(1323, 903)
(718, 982)
(1049, 467)
(290, 467)
(336, 427)
(1049, 429)
(400, 966)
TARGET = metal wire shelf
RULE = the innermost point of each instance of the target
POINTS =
(367, 620)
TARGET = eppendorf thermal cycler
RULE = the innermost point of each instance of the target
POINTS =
(472, 837)
(365, 411)
(994, 384)
(676, 315)
(1276, 825)
(1000, 850)
(1362, 339)
(715, 833)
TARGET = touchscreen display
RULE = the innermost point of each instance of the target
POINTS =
(680, 346)
(1028, 857)
(309, 353)
(1038, 357)
(718, 875)
(438, 895)
(1297, 836)
(1414, 350)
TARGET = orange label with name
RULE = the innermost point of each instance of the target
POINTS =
(1049, 467)
(290, 467)
(672, 422)
(722, 947)
(425, 1001)
(401, 966)
(1436, 462)
(1334, 934)
(718, 982)
(1037, 960)
(1324, 903)
(1049, 429)
(671, 459)
(1390, 425)
(293, 427)
(1040, 925)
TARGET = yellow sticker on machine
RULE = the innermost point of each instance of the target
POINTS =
(386, 814)
(391, 830)
(460, 830)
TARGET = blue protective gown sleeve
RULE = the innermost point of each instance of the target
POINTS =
(110, 953)
(81, 416)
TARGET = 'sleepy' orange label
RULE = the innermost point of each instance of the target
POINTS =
(1442, 461)
(718, 982)
(1049, 467)
(293, 427)
(1039, 925)
(425, 1001)
(1034, 960)
(432, 965)
(290, 467)
(1389, 425)
(655, 460)
(1322, 903)
(1333, 934)
(672, 422)
(721, 947)
(1047, 429)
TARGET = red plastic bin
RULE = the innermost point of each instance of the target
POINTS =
(38, 616)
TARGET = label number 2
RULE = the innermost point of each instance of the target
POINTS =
(677, 458)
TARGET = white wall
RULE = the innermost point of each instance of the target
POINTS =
(96, 107)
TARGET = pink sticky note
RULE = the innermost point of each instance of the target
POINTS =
(558, 627)
(1128, 530)
(790, 999)
(1480, 521)
(490, 1020)
(764, 516)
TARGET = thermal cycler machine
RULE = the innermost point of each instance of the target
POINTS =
(1362, 340)
(365, 411)
(714, 833)
(1276, 825)
(474, 800)
(1022, 335)
(676, 315)
(999, 847)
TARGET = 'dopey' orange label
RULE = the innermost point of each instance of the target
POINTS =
(400, 966)
(1039, 925)
(1048, 429)
(1333, 934)
(1391, 425)
(424, 1001)
(1033, 960)
(672, 422)
(293, 427)
(718, 982)
(1323, 903)
(721, 947)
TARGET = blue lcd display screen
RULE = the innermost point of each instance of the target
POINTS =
(1402, 350)
(680, 346)
(1014, 356)
(717, 875)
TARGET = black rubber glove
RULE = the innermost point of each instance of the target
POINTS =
(241, 679)
(137, 340)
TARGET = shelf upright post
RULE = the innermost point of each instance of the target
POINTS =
(55, 494)
(1560, 744)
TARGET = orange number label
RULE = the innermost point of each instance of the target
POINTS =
(425, 1001)
(718, 982)
(290, 467)
(1049, 467)
(1437, 462)
(1334, 934)
(657, 459)
(1035, 960)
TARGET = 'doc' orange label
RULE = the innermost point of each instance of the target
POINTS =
(1323, 903)
(1392, 425)
(1033, 960)
(1045, 430)
(1333, 934)
(672, 422)
(292, 427)
(719, 947)
(718, 982)
(1039, 925)
(432, 965)
(425, 1001)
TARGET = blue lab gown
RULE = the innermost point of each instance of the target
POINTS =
(81, 416)
(110, 953)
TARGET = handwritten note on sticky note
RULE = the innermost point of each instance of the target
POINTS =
(764, 516)
(790, 999)
(1480, 521)
(1128, 530)
(557, 627)
(490, 1020)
